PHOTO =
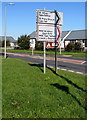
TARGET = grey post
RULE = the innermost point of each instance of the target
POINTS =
(55, 45)
(5, 26)
(5, 32)
(44, 55)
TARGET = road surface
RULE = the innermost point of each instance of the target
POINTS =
(71, 64)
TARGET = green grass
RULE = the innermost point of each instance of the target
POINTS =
(0, 87)
(73, 54)
(28, 93)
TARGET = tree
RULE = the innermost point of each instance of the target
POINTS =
(7, 43)
(70, 47)
(24, 42)
(78, 46)
(39, 45)
(0, 43)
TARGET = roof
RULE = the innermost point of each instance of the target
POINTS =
(74, 35)
(64, 33)
(33, 34)
(80, 34)
(11, 39)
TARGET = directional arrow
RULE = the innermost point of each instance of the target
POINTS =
(58, 18)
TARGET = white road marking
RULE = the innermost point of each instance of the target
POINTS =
(79, 72)
(83, 62)
(63, 69)
(71, 71)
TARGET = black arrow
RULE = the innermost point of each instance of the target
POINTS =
(58, 18)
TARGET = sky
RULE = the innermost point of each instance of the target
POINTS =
(21, 17)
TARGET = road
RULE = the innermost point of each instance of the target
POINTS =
(71, 64)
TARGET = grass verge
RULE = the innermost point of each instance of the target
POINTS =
(73, 54)
(28, 93)
(0, 87)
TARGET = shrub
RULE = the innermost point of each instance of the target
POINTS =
(78, 46)
(39, 45)
(7, 43)
(70, 47)
(24, 42)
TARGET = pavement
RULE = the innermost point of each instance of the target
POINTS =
(63, 58)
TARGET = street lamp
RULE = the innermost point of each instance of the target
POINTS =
(5, 26)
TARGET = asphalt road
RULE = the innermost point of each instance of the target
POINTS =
(68, 65)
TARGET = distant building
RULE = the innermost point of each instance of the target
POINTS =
(13, 42)
(75, 36)
(32, 39)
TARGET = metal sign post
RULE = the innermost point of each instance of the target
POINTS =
(55, 45)
(56, 21)
(44, 57)
(60, 48)
(32, 51)
(32, 47)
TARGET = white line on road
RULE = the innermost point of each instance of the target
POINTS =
(83, 62)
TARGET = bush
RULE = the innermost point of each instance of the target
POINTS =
(7, 43)
(39, 45)
(70, 47)
(0, 43)
(78, 46)
(24, 42)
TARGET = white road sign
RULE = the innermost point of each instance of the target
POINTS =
(48, 17)
(49, 29)
(47, 33)
(51, 44)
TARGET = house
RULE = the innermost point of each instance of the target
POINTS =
(75, 36)
(13, 42)
(32, 40)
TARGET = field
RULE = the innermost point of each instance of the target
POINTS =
(28, 93)
(73, 54)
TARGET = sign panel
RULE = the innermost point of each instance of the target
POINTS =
(48, 17)
(47, 33)
(48, 29)
(51, 44)
(32, 43)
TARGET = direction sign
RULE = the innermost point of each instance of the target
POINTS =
(49, 29)
(51, 44)
(47, 33)
(48, 17)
